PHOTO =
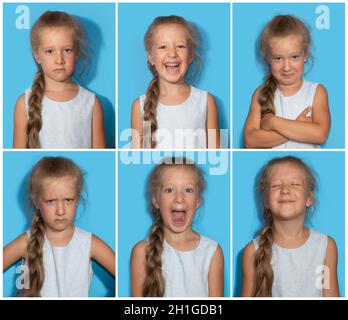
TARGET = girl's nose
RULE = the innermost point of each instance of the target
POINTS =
(172, 52)
(60, 208)
(59, 58)
(286, 65)
(285, 190)
(179, 197)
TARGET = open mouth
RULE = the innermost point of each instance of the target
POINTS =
(178, 217)
(173, 66)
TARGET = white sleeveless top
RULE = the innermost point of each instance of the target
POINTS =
(291, 107)
(66, 125)
(186, 272)
(298, 272)
(182, 126)
(68, 270)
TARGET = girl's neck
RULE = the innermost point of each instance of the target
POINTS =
(290, 234)
(290, 90)
(57, 86)
(60, 238)
(183, 241)
(173, 93)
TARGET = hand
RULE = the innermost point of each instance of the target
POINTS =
(303, 115)
(267, 121)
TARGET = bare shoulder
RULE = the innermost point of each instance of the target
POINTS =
(139, 250)
(97, 104)
(20, 104)
(136, 107)
(249, 251)
(19, 245)
(331, 245)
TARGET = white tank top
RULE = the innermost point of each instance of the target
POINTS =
(182, 126)
(291, 107)
(68, 270)
(298, 272)
(66, 125)
(186, 272)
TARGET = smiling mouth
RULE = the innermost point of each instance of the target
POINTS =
(172, 66)
(178, 217)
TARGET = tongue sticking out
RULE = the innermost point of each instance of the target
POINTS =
(179, 217)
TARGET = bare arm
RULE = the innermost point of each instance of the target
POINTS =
(103, 254)
(216, 274)
(254, 136)
(248, 269)
(213, 130)
(137, 125)
(138, 272)
(315, 131)
(15, 250)
(20, 124)
(331, 264)
(98, 134)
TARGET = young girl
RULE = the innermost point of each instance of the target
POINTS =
(175, 261)
(57, 254)
(56, 112)
(287, 111)
(288, 259)
(173, 114)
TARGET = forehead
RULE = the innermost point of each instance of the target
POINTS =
(52, 185)
(178, 174)
(286, 170)
(52, 35)
(292, 43)
(170, 31)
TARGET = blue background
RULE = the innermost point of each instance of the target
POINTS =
(327, 49)
(328, 217)
(134, 221)
(20, 68)
(97, 216)
(213, 24)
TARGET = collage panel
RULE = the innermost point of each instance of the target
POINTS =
(184, 45)
(303, 195)
(181, 210)
(66, 50)
(302, 36)
(46, 195)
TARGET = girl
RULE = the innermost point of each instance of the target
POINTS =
(56, 112)
(175, 261)
(287, 258)
(173, 114)
(57, 254)
(287, 111)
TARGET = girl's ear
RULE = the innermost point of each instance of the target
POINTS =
(192, 57)
(310, 199)
(36, 57)
(199, 202)
(150, 58)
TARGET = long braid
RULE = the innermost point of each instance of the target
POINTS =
(263, 257)
(35, 257)
(34, 110)
(150, 109)
(266, 95)
(154, 282)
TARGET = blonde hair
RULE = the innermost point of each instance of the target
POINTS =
(154, 283)
(50, 19)
(153, 90)
(263, 256)
(47, 167)
(279, 26)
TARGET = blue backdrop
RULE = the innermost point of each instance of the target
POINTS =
(20, 68)
(97, 216)
(328, 217)
(212, 219)
(213, 24)
(328, 51)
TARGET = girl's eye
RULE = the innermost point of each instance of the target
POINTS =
(277, 185)
(68, 50)
(50, 201)
(49, 51)
(296, 184)
(181, 46)
(277, 59)
(162, 47)
(70, 200)
(295, 57)
(169, 190)
(189, 190)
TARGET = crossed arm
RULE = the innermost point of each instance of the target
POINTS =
(273, 130)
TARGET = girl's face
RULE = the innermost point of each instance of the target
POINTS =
(170, 53)
(57, 54)
(288, 195)
(57, 202)
(177, 198)
(287, 59)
